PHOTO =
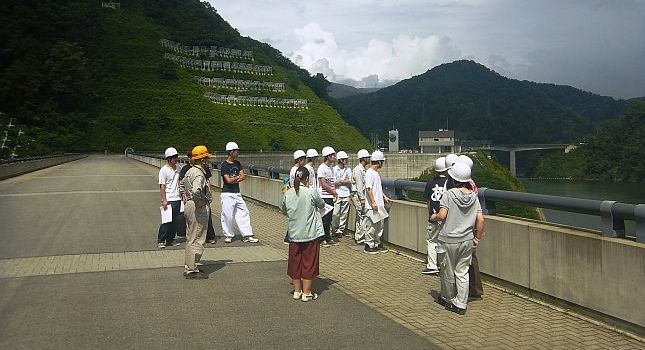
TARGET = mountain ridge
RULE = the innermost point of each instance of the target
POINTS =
(481, 104)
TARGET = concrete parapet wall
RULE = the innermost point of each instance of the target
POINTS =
(599, 273)
(19, 168)
(397, 165)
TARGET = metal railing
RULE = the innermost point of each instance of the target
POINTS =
(613, 214)
(27, 159)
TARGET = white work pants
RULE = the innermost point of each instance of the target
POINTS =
(359, 231)
(454, 272)
(374, 232)
(340, 215)
(235, 212)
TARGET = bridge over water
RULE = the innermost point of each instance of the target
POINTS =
(79, 268)
(513, 149)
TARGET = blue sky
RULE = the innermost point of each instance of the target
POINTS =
(597, 46)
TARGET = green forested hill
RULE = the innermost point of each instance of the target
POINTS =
(81, 77)
(480, 105)
(614, 152)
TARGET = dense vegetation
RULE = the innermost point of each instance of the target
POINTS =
(614, 152)
(488, 172)
(480, 105)
(79, 77)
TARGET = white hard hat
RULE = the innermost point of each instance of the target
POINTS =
(327, 151)
(341, 155)
(171, 151)
(460, 172)
(363, 154)
(451, 159)
(231, 146)
(377, 156)
(440, 164)
(312, 153)
(299, 154)
(466, 160)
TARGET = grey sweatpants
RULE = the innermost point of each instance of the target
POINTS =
(432, 233)
(196, 227)
(374, 232)
(454, 272)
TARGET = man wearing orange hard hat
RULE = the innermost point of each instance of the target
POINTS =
(196, 210)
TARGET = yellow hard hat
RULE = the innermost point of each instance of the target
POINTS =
(200, 152)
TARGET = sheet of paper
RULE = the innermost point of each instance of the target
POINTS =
(382, 214)
(326, 209)
(166, 215)
(181, 209)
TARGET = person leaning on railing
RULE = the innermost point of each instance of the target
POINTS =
(462, 229)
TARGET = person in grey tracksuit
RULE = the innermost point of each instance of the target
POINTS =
(462, 229)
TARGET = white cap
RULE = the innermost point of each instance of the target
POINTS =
(451, 159)
(341, 155)
(460, 172)
(231, 146)
(327, 151)
(377, 156)
(466, 160)
(171, 151)
(312, 153)
(440, 164)
(299, 154)
(363, 154)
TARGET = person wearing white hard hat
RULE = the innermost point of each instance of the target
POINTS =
(327, 190)
(476, 288)
(434, 190)
(299, 159)
(358, 194)
(234, 210)
(462, 230)
(170, 198)
(312, 155)
(343, 183)
(375, 205)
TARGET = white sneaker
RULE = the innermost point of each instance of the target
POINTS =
(250, 239)
(297, 295)
(228, 240)
(161, 245)
(309, 297)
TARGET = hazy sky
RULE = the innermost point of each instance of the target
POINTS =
(594, 45)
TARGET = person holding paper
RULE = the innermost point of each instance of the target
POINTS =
(197, 211)
(302, 206)
(358, 194)
(375, 205)
(343, 182)
(170, 199)
(327, 191)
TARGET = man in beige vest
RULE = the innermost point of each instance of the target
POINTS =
(196, 210)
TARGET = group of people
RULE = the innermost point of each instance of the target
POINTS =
(455, 227)
(187, 191)
(316, 202)
(308, 201)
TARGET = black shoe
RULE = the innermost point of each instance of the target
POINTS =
(381, 249)
(368, 250)
(455, 309)
(335, 241)
(441, 301)
(196, 276)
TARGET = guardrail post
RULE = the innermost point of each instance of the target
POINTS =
(611, 226)
(639, 217)
(488, 206)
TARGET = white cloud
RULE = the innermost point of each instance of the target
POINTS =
(398, 59)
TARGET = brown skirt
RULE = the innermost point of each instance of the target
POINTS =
(303, 260)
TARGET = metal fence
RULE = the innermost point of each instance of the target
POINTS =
(613, 214)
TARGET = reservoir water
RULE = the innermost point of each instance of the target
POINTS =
(598, 190)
